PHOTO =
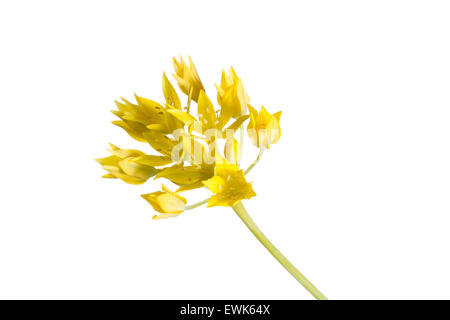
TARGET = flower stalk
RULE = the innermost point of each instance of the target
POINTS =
(251, 225)
(198, 204)
(261, 151)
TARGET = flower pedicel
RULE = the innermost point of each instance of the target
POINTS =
(189, 146)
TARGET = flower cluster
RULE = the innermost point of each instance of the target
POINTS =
(194, 144)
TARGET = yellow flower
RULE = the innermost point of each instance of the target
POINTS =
(264, 128)
(187, 78)
(135, 118)
(166, 202)
(229, 186)
(231, 96)
(125, 164)
(138, 119)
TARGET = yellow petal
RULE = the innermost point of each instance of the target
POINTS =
(197, 85)
(253, 115)
(182, 175)
(214, 184)
(165, 216)
(165, 202)
(109, 176)
(158, 127)
(171, 203)
(108, 161)
(192, 186)
(273, 131)
(118, 173)
(160, 142)
(171, 122)
(206, 111)
(232, 151)
(226, 81)
(263, 117)
(124, 107)
(183, 84)
(193, 70)
(229, 186)
(243, 99)
(170, 94)
(237, 123)
(178, 66)
(131, 168)
(124, 153)
(151, 108)
(226, 170)
(277, 115)
(184, 117)
(166, 189)
(135, 133)
(154, 161)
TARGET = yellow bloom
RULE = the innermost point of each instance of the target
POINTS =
(264, 128)
(135, 118)
(138, 119)
(229, 186)
(187, 78)
(124, 164)
(166, 202)
(231, 96)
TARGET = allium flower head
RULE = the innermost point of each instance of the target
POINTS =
(188, 140)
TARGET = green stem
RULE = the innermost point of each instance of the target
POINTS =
(248, 221)
(195, 205)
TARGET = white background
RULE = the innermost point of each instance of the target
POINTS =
(356, 193)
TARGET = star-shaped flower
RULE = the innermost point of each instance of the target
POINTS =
(229, 186)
